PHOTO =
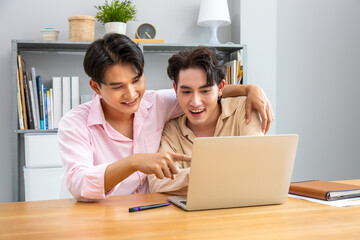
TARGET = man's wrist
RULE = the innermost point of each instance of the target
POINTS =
(246, 89)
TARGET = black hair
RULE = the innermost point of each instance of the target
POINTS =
(112, 49)
(202, 57)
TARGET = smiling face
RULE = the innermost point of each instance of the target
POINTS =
(122, 91)
(197, 99)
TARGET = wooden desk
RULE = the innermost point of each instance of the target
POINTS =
(110, 219)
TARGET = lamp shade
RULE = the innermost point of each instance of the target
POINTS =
(213, 10)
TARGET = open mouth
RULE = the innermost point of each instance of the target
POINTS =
(197, 112)
(130, 103)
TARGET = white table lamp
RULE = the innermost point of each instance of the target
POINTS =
(213, 14)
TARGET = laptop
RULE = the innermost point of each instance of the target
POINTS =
(239, 171)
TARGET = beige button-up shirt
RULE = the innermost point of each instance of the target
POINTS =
(178, 138)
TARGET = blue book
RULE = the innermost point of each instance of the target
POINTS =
(41, 110)
(46, 122)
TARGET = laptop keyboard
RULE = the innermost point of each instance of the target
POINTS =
(183, 202)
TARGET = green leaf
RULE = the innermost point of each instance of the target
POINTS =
(116, 11)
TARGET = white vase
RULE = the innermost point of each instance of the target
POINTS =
(115, 27)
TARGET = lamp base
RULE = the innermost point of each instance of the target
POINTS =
(214, 38)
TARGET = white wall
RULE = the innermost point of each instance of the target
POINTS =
(235, 6)
(318, 84)
(175, 22)
(258, 32)
(304, 53)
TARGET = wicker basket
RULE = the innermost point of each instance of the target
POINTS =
(81, 28)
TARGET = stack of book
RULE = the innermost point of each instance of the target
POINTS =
(39, 107)
(234, 69)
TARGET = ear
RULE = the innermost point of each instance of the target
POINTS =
(95, 86)
(174, 86)
(221, 87)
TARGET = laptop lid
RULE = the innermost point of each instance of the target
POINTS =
(239, 171)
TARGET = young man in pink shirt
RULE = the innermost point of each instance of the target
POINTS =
(109, 145)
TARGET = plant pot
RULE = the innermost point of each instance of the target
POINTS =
(115, 27)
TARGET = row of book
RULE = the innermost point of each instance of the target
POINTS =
(234, 70)
(40, 107)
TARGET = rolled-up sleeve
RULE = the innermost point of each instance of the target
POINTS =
(83, 180)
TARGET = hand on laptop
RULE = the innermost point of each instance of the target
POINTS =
(160, 164)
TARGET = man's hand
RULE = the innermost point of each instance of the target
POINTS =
(257, 100)
(160, 164)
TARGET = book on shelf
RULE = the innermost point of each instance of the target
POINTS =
(36, 98)
(30, 117)
(324, 190)
(231, 70)
(49, 110)
(238, 56)
(52, 108)
(40, 96)
(57, 112)
(75, 98)
(44, 103)
(19, 105)
(66, 95)
(227, 75)
(22, 93)
(33, 104)
(41, 104)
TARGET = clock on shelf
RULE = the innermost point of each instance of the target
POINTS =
(146, 33)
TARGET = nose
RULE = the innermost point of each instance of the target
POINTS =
(195, 100)
(130, 93)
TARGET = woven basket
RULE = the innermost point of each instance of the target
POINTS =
(81, 28)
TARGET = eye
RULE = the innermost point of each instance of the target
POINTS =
(136, 80)
(186, 92)
(205, 90)
(115, 88)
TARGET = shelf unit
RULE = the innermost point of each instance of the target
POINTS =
(41, 47)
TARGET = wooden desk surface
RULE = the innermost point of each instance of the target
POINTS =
(110, 219)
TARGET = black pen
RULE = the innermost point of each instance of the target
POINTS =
(135, 209)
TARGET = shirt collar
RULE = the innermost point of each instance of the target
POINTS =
(96, 114)
(96, 117)
(185, 131)
(144, 106)
(227, 109)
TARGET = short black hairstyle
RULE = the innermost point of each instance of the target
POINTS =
(112, 49)
(205, 58)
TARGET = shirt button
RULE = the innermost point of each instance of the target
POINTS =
(143, 180)
(137, 191)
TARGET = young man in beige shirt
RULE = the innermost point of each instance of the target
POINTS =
(198, 76)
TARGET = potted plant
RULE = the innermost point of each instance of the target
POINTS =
(115, 15)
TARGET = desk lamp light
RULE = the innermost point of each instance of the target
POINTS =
(213, 14)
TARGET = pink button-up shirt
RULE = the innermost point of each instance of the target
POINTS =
(88, 144)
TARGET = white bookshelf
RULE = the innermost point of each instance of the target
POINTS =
(59, 58)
